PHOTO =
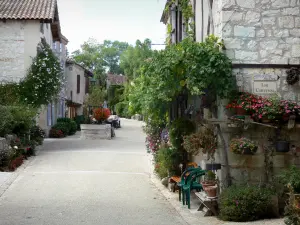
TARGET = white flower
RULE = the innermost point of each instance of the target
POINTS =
(15, 147)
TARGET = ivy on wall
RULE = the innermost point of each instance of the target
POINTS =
(186, 8)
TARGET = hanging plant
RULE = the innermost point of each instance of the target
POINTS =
(243, 146)
(204, 141)
(292, 75)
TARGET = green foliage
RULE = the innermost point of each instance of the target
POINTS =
(167, 160)
(115, 95)
(180, 128)
(44, 79)
(186, 67)
(56, 133)
(6, 121)
(122, 109)
(63, 126)
(133, 58)
(291, 177)
(98, 57)
(244, 203)
(96, 97)
(187, 13)
(71, 125)
(37, 134)
(9, 94)
(16, 120)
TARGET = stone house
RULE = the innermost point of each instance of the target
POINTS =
(22, 25)
(78, 83)
(262, 38)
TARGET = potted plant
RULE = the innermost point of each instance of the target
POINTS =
(204, 141)
(209, 184)
(243, 146)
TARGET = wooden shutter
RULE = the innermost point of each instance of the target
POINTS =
(78, 84)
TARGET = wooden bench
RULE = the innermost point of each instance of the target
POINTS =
(208, 205)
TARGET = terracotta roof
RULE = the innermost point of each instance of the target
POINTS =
(28, 9)
(115, 79)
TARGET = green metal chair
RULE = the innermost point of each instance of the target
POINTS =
(191, 184)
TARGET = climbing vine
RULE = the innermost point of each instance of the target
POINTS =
(185, 67)
(187, 13)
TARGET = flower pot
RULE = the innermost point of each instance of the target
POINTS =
(213, 166)
(241, 111)
(207, 184)
(247, 151)
(211, 191)
(282, 146)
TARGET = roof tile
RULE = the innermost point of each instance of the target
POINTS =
(27, 9)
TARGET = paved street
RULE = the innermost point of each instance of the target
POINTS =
(72, 182)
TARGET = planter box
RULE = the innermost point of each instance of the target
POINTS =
(96, 131)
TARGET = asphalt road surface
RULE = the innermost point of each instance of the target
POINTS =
(103, 182)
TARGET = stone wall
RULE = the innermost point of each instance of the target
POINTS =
(12, 47)
(262, 31)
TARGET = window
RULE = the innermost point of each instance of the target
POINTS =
(87, 84)
(42, 28)
(78, 84)
(60, 47)
(54, 45)
(71, 95)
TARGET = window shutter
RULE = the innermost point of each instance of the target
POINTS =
(78, 84)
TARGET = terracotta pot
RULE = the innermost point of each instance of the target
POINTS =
(211, 191)
(207, 184)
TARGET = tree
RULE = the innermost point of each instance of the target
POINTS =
(101, 58)
(96, 97)
(133, 58)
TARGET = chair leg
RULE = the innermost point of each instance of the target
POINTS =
(188, 198)
(180, 194)
(183, 197)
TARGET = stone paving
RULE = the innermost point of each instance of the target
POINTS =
(72, 181)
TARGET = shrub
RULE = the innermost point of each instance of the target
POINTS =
(56, 133)
(37, 134)
(291, 177)
(179, 128)
(62, 126)
(101, 114)
(167, 160)
(6, 121)
(72, 126)
(244, 203)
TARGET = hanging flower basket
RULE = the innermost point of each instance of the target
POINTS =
(243, 146)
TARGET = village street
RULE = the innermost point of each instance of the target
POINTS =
(73, 181)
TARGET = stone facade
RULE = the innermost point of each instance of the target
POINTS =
(12, 49)
(261, 31)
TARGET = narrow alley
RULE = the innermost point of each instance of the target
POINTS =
(73, 181)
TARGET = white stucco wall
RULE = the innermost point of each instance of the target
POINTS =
(71, 75)
(18, 45)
